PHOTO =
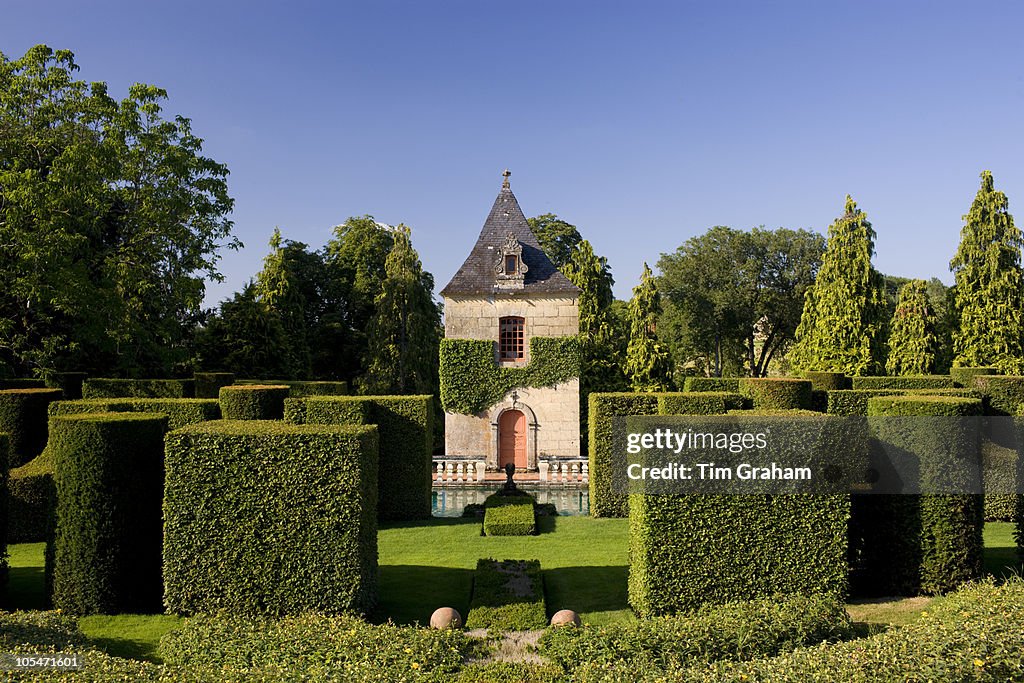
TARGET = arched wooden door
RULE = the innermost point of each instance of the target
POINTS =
(512, 439)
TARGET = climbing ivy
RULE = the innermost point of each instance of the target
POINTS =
(472, 382)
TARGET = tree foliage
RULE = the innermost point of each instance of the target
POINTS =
(557, 238)
(648, 366)
(988, 295)
(912, 339)
(110, 218)
(599, 339)
(841, 328)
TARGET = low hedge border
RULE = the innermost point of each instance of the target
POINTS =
(253, 401)
(905, 382)
(1003, 393)
(727, 384)
(509, 515)
(827, 381)
(102, 387)
(302, 388)
(964, 377)
(23, 417)
(507, 596)
(179, 411)
(698, 402)
(777, 392)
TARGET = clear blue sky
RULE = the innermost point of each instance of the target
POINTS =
(643, 124)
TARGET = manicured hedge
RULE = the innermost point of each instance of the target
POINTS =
(1004, 394)
(270, 517)
(108, 477)
(733, 631)
(604, 500)
(208, 384)
(23, 418)
(905, 382)
(854, 402)
(5, 458)
(927, 543)
(405, 425)
(828, 381)
(964, 377)
(303, 388)
(179, 411)
(253, 401)
(30, 500)
(509, 515)
(507, 596)
(999, 471)
(138, 388)
(70, 383)
(728, 384)
(777, 392)
(698, 402)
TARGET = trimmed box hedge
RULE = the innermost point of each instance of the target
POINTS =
(270, 517)
(507, 596)
(138, 388)
(303, 388)
(698, 402)
(208, 384)
(854, 402)
(604, 500)
(108, 477)
(728, 384)
(179, 411)
(23, 417)
(5, 519)
(905, 382)
(1004, 394)
(70, 383)
(964, 377)
(828, 381)
(253, 401)
(781, 393)
(510, 515)
(999, 470)
(30, 500)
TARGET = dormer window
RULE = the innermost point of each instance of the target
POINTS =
(509, 270)
(511, 265)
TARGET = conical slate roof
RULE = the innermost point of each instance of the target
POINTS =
(477, 276)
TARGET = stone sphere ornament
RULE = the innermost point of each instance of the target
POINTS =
(445, 617)
(565, 617)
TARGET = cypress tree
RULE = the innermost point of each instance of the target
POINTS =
(987, 295)
(840, 328)
(601, 357)
(277, 289)
(647, 362)
(912, 338)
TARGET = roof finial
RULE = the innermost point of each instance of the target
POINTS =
(504, 183)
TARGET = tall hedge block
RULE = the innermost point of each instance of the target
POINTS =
(777, 393)
(208, 384)
(108, 475)
(270, 517)
(70, 383)
(138, 388)
(405, 426)
(23, 417)
(30, 499)
(1004, 394)
(827, 381)
(905, 382)
(964, 377)
(731, 384)
(179, 411)
(253, 401)
(698, 402)
(687, 551)
(854, 402)
(5, 454)
(303, 388)
(604, 500)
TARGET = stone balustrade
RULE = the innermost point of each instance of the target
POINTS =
(564, 470)
(458, 470)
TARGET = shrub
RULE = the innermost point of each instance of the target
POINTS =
(303, 388)
(1003, 393)
(927, 543)
(253, 402)
(405, 426)
(70, 383)
(854, 402)
(509, 672)
(507, 596)
(905, 382)
(827, 381)
(733, 631)
(605, 501)
(777, 392)
(138, 388)
(30, 500)
(179, 411)
(509, 515)
(108, 477)
(270, 517)
(208, 384)
(964, 377)
(728, 384)
(698, 403)
(23, 419)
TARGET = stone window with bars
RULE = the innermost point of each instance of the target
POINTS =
(510, 338)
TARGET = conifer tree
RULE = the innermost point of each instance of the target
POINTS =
(601, 358)
(912, 338)
(277, 289)
(405, 330)
(841, 326)
(647, 361)
(988, 295)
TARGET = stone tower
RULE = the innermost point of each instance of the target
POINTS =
(509, 361)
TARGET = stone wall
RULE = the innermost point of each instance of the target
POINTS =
(477, 318)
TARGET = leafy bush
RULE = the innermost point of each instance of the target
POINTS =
(253, 401)
(777, 392)
(728, 384)
(509, 672)
(507, 596)
(964, 377)
(138, 388)
(698, 402)
(471, 380)
(179, 411)
(108, 477)
(23, 418)
(405, 426)
(270, 517)
(905, 382)
(208, 384)
(827, 381)
(30, 499)
(604, 500)
(509, 515)
(1004, 394)
(70, 383)
(733, 631)
(303, 388)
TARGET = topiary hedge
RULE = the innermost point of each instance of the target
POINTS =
(828, 381)
(927, 543)
(5, 458)
(208, 384)
(270, 517)
(303, 388)
(23, 418)
(108, 477)
(854, 402)
(507, 596)
(698, 402)
(405, 426)
(70, 383)
(964, 377)
(605, 501)
(777, 392)
(905, 382)
(179, 411)
(138, 388)
(30, 500)
(728, 384)
(999, 472)
(1003, 394)
(471, 380)
(253, 401)
(510, 515)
